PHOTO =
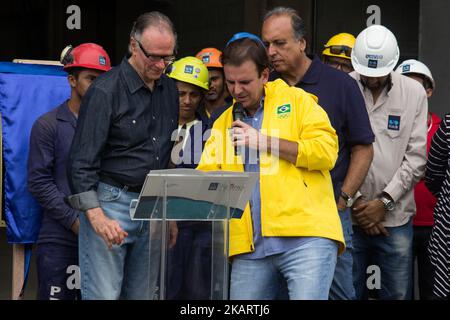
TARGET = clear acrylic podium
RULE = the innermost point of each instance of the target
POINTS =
(200, 205)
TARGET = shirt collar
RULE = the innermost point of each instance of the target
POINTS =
(312, 75)
(64, 114)
(132, 78)
(260, 109)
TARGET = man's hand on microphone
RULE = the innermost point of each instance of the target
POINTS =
(245, 135)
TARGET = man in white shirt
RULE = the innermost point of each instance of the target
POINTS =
(383, 214)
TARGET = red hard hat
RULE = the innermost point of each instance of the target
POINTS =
(86, 55)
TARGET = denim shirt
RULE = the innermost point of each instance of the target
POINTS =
(124, 131)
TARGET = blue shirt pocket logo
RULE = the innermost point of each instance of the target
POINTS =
(394, 123)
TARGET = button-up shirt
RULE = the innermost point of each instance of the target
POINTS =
(124, 131)
(47, 179)
(399, 121)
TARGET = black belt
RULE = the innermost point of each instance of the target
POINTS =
(110, 181)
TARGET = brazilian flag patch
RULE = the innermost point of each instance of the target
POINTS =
(284, 111)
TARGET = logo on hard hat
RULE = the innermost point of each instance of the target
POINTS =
(206, 59)
(189, 69)
(373, 64)
(102, 61)
(406, 68)
(374, 56)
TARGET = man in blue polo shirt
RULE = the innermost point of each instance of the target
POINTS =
(283, 33)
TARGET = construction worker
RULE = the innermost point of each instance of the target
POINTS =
(189, 261)
(338, 52)
(425, 201)
(191, 77)
(397, 107)
(51, 136)
(217, 96)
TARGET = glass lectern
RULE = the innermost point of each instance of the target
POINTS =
(189, 213)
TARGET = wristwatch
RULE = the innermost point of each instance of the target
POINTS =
(388, 203)
(348, 199)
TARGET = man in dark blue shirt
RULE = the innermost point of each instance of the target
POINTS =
(52, 133)
(124, 130)
(283, 33)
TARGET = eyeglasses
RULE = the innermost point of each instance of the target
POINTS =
(155, 58)
(347, 68)
(340, 49)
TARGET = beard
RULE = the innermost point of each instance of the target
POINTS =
(375, 83)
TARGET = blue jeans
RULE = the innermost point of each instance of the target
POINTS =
(308, 271)
(392, 256)
(120, 273)
(342, 287)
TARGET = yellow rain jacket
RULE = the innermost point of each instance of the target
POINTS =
(297, 200)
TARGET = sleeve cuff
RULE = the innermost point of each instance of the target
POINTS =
(357, 195)
(84, 201)
(71, 219)
(394, 193)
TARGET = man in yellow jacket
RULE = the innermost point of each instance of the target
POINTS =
(291, 226)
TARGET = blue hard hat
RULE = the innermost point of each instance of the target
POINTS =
(243, 35)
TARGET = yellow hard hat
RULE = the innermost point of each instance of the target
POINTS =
(340, 45)
(191, 70)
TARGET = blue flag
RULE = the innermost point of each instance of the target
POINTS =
(26, 92)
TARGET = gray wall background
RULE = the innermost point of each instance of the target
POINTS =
(434, 49)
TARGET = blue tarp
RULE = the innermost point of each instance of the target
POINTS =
(26, 92)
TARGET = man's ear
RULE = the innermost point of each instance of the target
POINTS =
(429, 92)
(302, 45)
(265, 75)
(72, 81)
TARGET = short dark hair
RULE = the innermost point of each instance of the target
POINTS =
(152, 19)
(246, 49)
(298, 24)
(75, 72)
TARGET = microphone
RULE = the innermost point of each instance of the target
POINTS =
(238, 114)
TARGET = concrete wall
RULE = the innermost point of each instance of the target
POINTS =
(434, 49)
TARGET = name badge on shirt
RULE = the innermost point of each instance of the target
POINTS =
(394, 123)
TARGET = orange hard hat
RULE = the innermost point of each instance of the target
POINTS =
(210, 57)
(86, 55)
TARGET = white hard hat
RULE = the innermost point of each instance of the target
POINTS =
(414, 66)
(376, 52)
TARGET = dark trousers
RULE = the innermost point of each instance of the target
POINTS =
(58, 272)
(425, 268)
(189, 263)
